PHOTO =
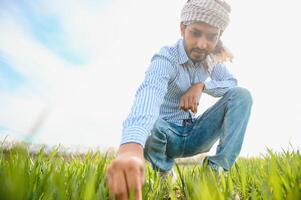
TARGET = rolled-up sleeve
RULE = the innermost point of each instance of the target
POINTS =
(148, 99)
(221, 80)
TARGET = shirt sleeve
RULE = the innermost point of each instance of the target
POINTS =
(148, 99)
(221, 81)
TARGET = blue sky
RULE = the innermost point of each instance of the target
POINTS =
(45, 27)
(81, 63)
(10, 79)
(41, 55)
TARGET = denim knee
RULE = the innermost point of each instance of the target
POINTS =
(242, 95)
(155, 147)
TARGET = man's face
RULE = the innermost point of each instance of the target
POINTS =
(200, 39)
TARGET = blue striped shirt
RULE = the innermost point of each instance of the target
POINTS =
(170, 74)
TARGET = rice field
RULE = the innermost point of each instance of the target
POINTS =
(55, 175)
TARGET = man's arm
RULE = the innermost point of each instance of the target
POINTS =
(126, 172)
(148, 99)
(221, 81)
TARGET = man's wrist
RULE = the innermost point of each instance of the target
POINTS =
(131, 149)
(200, 86)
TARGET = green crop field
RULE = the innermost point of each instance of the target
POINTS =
(57, 176)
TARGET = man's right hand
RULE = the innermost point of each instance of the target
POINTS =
(190, 99)
(126, 172)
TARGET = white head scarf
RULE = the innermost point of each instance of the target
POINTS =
(213, 12)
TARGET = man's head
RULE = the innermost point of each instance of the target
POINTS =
(202, 23)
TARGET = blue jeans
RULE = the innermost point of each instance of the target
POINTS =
(226, 120)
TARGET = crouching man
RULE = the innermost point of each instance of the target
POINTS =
(162, 124)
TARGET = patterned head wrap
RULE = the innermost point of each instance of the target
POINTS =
(213, 12)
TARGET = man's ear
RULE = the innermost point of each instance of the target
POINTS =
(182, 28)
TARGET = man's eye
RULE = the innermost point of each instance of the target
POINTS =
(196, 34)
(212, 38)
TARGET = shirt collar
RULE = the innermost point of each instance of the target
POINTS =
(183, 58)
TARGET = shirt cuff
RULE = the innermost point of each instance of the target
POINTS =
(134, 134)
(209, 85)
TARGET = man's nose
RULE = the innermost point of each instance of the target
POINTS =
(202, 43)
